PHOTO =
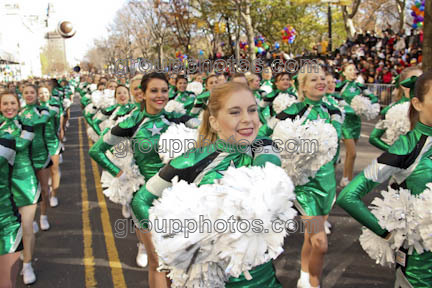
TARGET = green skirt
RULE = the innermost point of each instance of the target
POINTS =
(316, 198)
(351, 127)
(262, 276)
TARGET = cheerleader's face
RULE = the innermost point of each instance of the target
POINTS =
(101, 87)
(199, 79)
(283, 83)
(350, 72)
(44, 94)
(315, 85)
(212, 82)
(331, 84)
(9, 106)
(156, 96)
(181, 85)
(112, 85)
(136, 92)
(221, 79)
(238, 120)
(172, 80)
(29, 95)
(267, 74)
(424, 108)
(122, 95)
(255, 83)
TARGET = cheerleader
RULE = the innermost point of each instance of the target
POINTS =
(408, 161)
(315, 199)
(52, 135)
(187, 98)
(267, 84)
(282, 83)
(172, 78)
(254, 85)
(136, 91)
(352, 124)
(239, 78)
(402, 96)
(142, 127)
(38, 117)
(10, 220)
(24, 183)
(201, 100)
(232, 117)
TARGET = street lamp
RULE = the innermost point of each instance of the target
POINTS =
(329, 16)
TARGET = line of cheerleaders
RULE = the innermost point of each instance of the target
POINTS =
(242, 109)
(32, 125)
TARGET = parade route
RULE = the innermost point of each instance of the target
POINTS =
(90, 244)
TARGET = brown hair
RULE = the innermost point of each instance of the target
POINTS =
(13, 94)
(422, 87)
(403, 76)
(36, 91)
(344, 66)
(216, 101)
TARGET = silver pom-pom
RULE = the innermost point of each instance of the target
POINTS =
(195, 87)
(396, 122)
(283, 101)
(176, 140)
(377, 248)
(364, 107)
(197, 252)
(318, 137)
(175, 106)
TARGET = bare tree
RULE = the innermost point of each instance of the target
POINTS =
(244, 11)
(348, 17)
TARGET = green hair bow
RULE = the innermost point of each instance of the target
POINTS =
(410, 83)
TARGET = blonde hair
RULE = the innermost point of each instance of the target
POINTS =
(398, 92)
(302, 77)
(218, 95)
(137, 77)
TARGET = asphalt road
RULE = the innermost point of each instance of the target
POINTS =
(90, 244)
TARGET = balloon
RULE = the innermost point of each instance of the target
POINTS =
(414, 25)
(185, 56)
(413, 14)
(420, 24)
(218, 55)
(418, 4)
(222, 44)
(422, 8)
(201, 52)
(256, 49)
(266, 46)
(277, 45)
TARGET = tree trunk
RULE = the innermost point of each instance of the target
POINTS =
(401, 5)
(427, 37)
(249, 30)
(348, 23)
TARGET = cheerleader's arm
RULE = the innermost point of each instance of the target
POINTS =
(350, 199)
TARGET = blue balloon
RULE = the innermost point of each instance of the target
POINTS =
(277, 45)
(421, 8)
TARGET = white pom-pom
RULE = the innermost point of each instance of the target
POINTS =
(396, 122)
(395, 213)
(195, 87)
(176, 140)
(199, 251)
(121, 191)
(422, 209)
(364, 107)
(92, 134)
(283, 101)
(67, 103)
(319, 137)
(175, 106)
(377, 248)
(266, 88)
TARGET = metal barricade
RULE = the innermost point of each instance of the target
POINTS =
(384, 92)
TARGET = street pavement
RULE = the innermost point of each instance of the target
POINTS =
(90, 244)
